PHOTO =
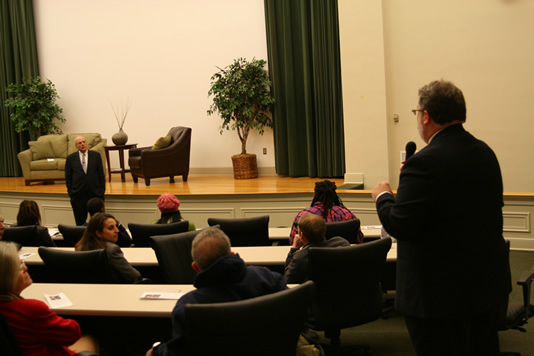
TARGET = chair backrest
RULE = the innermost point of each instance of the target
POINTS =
(9, 344)
(141, 232)
(266, 325)
(71, 234)
(348, 229)
(23, 235)
(348, 284)
(245, 232)
(75, 266)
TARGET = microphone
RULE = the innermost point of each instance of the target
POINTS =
(410, 149)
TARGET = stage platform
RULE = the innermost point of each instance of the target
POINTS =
(201, 197)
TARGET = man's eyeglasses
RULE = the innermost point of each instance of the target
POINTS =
(416, 110)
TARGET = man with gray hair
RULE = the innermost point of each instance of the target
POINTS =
(452, 267)
(222, 277)
(84, 175)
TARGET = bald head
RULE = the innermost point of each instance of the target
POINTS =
(81, 144)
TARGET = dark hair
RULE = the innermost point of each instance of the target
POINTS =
(444, 102)
(313, 227)
(95, 205)
(28, 213)
(90, 240)
(169, 218)
(325, 192)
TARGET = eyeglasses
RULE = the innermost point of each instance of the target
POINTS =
(416, 110)
(22, 265)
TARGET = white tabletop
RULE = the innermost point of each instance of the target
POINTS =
(145, 256)
(109, 299)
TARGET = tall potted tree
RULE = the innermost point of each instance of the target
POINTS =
(34, 107)
(241, 97)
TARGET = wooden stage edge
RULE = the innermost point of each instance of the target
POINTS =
(197, 185)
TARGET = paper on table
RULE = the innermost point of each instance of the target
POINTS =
(26, 255)
(371, 227)
(58, 300)
(162, 295)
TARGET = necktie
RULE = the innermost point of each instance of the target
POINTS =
(83, 164)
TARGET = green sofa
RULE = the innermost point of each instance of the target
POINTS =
(45, 160)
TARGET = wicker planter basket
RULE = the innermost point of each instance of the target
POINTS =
(245, 166)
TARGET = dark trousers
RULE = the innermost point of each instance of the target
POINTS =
(79, 208)
(473, 335)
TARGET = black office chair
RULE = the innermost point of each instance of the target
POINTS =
(348, 229)
(348, 286)
(267, 325)
(246, 231)
(515, 315)
(141, 232)
(71, 234)
(75, 266)
(31, 235)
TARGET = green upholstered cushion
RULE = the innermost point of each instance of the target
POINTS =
(162, 142)
(41, 148)
(59, 145)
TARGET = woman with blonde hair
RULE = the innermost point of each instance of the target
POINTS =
(102, 233)
(39, 330)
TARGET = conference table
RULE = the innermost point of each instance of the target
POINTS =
(146, 257)
(275, 233)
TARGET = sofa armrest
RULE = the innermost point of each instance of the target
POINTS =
(99, 147)
(25, 158)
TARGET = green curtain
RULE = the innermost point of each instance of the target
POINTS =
(304, 66)
(18, 62)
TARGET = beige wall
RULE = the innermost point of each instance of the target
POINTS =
(485, 47)
(161, 55)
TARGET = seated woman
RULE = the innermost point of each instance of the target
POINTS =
(39, 330)
(102, 233)
(29, 215)
(168, 205)
(328, 204)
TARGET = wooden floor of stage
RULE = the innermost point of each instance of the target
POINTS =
(196, 185)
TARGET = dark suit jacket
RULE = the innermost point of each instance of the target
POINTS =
(447, 218)
(296, 267)
(79, 184)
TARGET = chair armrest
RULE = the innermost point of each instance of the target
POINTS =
(525, 280)
(25, 158)
(136, 152)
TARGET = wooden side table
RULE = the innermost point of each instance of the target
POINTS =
(121, 149)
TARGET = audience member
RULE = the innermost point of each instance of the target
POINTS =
(222, 277)
(29, 215)
(39, 330)
(311, 233)
(97, 205)
(102, 233)
(2, 227)
(168, 205)
(452, 266)
(84, 175)
(328, 204)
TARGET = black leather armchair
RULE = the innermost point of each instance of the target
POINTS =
(262, 326)
(348, 229)
(141, 232)
(31, 235)
(246, 231)
(76, 266)
(345, 298)
(170, 161)
(71, 234)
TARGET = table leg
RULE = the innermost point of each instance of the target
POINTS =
(121, 159)
(109, 164)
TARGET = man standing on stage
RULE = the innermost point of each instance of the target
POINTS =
(452, 266)
(84, 174)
